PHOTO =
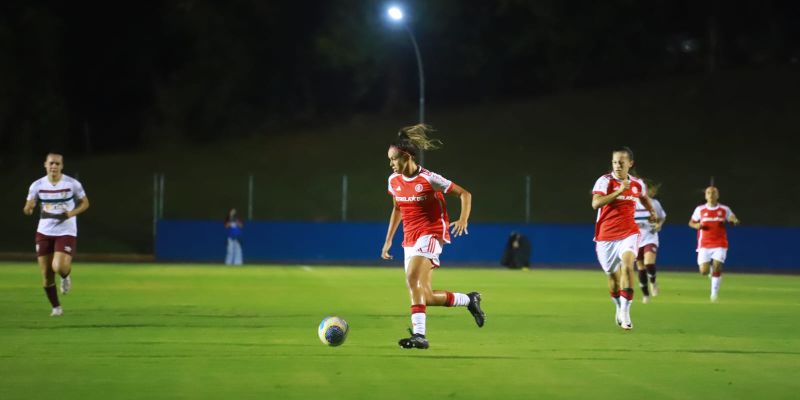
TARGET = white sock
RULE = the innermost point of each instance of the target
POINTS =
(715, 281)
(625, 304)
(616, 301)
(460, 300)
(418, 322)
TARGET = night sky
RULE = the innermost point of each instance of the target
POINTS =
(92, 77)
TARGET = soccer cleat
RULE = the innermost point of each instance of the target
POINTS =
(625, 318)
(66, 285)
(415, 341)
(645, 299)
(57, 312)
(474, 307)
(654, 289)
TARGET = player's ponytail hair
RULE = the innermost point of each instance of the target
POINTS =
(652, 186)
(412, 139)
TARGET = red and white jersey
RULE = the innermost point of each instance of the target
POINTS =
(713, 219)
(57, 198)
(422, 206)
(615, 220)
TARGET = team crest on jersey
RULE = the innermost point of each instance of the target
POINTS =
(719, 213)
(634, 190)
(397, 188)
(418, 187)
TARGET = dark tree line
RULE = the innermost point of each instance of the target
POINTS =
(90, 77)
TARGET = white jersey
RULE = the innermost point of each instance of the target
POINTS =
(647, 228)
(58, 198)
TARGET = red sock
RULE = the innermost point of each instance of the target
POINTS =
(716, 274)
(627, 293)
(418, 308)
(451, 299)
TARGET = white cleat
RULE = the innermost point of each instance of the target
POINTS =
(57, 312)
(626, 321)
(66, 285)
(654, 289)
(714, 298)
(645, 299)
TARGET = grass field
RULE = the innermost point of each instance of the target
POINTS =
(187, 331)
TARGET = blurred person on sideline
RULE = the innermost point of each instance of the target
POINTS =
(517, 253)
(648, 242)
(233, 230)
(61, 198)
(418, 201)
(616, 233)
(712, 240)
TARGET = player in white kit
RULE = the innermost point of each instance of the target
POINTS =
(61, 198)
(648, 242)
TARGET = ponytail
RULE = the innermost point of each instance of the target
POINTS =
(412, 139)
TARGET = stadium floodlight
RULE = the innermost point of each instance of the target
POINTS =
(395, 13)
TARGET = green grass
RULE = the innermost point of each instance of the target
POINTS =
(188, 331)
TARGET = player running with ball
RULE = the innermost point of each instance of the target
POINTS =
(418, 201)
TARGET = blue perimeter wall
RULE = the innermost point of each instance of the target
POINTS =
(768, 248)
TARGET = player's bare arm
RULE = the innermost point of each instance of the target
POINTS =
(83, 205)
(599, 200)
(460, 227)
(735, 221)
(394, 222)
(30, 205)
(696, 225)
(648, 204)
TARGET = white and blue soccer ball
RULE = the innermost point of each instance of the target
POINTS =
(333, 330)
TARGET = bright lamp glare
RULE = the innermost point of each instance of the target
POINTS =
(395, 13)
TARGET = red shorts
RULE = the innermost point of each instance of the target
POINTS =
(648, 247)
(46, 245)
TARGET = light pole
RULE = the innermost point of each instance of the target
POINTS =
(396, 14)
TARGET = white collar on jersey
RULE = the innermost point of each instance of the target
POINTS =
(407, 179)
(613, 175)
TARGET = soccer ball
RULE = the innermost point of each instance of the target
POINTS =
(333, 330)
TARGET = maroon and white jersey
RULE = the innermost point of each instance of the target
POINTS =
(615, 220)
(422, 206)
(713, 220)
(58, 198)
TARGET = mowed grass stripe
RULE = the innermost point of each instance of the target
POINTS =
(201, 331)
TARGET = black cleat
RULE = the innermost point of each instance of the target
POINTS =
(475, 308)
(415, 341)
